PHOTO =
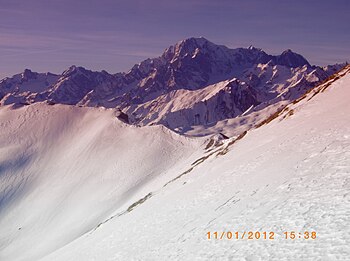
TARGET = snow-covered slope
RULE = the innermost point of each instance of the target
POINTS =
(65, 169)
(290, 173)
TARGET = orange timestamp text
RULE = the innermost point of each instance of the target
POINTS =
(256, 235)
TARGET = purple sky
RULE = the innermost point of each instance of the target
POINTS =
(46, 35)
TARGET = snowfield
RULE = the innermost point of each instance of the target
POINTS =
(77, 184)
(64, 169)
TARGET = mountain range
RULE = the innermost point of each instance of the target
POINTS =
(195, 87)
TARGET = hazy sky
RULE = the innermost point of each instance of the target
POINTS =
(46, 35)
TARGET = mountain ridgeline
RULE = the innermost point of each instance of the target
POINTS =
(195, 82)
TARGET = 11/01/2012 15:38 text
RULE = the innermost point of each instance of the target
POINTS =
(256, 235)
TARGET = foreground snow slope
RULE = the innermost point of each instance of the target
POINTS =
(292, 174)
(65, 169)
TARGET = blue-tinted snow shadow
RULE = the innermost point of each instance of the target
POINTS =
(10, 171)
